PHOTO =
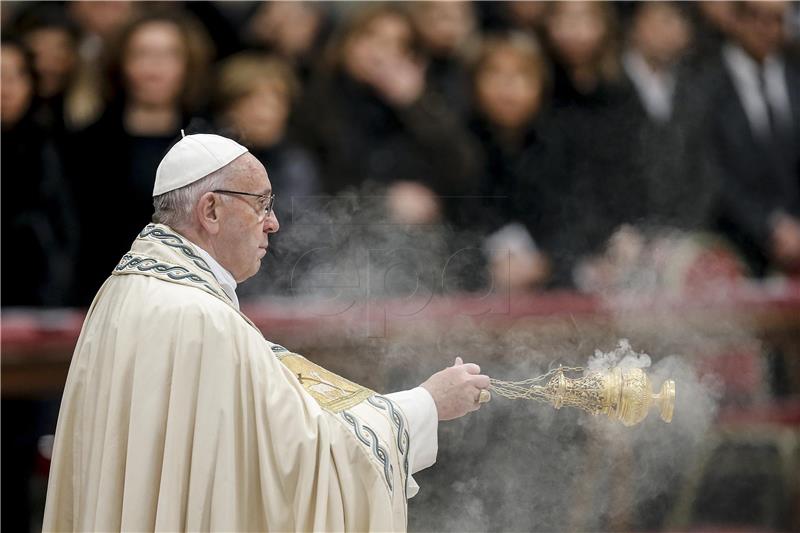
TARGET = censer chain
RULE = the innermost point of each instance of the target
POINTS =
(529, 389)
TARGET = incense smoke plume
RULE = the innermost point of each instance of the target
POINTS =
(513, 465)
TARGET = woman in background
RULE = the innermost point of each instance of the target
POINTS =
(599, 122)
(53, 38)
(39, 226)
(157, 78)
(510, 85)
(254, 98)
(294, 31)
(253, 101)
(447, 33)
(371, 118)
(582, 38)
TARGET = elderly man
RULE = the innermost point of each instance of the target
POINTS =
(179, 415)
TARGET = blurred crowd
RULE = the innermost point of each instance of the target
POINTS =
(575, 143)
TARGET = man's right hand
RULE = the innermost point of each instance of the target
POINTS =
(456, 389)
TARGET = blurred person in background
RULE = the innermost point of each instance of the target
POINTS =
(39, 226)
(446, 31)
(370, 118)
(254, 97)
(100, 23)
(582, 39)
(296, 31)
(598, 124)
(219, 23)
(39, 239)
(527, 16)
(157, 80)
(658, 37)
(715, 21)
(793, 30)
(756, 138)
(679, 173)
(510, 86)
(53, 38)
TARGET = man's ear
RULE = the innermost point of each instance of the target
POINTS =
(207, 212)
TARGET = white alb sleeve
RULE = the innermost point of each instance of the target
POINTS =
(423, 424)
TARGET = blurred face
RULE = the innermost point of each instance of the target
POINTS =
(155, 64)
(508, 88)
(104, 18)
(444, 26)
(577, 31)
(759, 27)
(719, 15)
(660, 32)
(260, 117)
(529, 14)
(54, 59)
(16, 86)
(384, 38)
(243, 235)
(291, 27)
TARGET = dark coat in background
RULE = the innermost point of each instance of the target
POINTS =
(113, 173)
(449, 78)
(597, 181)
(681, 178)
(40, 231)
(360, 138)
(758, 178)
(516, 176)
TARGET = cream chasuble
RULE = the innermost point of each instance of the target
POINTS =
(178, 415)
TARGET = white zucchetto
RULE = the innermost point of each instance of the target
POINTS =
(192, 158)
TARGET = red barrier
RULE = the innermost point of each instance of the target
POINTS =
(31, 331)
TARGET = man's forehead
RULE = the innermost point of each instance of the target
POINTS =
(252, 174)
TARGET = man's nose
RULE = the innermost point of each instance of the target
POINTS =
(271, 224)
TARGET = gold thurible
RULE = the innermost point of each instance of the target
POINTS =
(623, 395)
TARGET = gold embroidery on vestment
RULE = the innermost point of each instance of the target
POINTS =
(332, 392)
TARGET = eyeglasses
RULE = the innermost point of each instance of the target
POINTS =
(265, 202)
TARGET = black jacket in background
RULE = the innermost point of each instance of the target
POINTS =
(359, 138)
(757, 178)
(681, 178)
(40, 230)
(599, 182)
(515, 177)
(113, 173)
(449, 78)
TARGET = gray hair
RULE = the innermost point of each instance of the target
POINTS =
(174, 208)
